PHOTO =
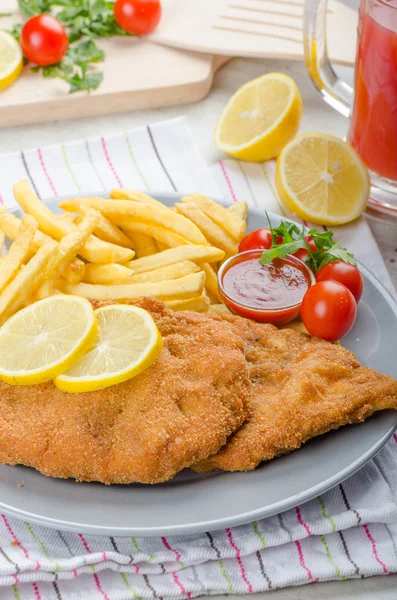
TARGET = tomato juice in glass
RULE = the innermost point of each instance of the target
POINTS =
(373, 127)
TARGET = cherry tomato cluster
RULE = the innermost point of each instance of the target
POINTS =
(44, 40)
(329, 307)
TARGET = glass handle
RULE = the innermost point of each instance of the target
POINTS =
(336, 92)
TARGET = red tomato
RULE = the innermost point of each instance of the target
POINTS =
(137, 16)
(280, 239)
(258, 239)
(328, 310)
(347, 274)
(302, 253)
(44, 40)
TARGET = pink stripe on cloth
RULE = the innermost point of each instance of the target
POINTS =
(395, 437)
(301, 521)
(375, 551)
(238, 557)
(109, 161)
(1, 199)
(36, 591)
(43, 166)
(181, 587)
(302, 560)
(95, 576)
(167, 545)
(14, 537)
(229, 183)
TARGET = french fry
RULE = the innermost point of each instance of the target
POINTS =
(220, 309)
(220, 215)
(144, 245)
(2, 240)
(74, 272)
(215, 235)
(67, 249)
(166, 273)
(165, 236)
(106, 231)
(131, 212)
(126, 194)
(161, 247)
(197, 254)
(211, 281)
(27, 281)
(107, 274)
(18, 252)
(10, 224)
(67, 217)
(94, 250)
(190, 286)
(200, 304)
(240, 210)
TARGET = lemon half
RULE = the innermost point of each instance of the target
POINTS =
(322, 179)
(11, 60)
(128, 342)
(260, 118)
(45, 338)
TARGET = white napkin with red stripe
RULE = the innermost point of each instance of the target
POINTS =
(349, 532)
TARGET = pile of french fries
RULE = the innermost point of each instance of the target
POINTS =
(121, 248)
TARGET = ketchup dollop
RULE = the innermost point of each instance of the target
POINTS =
(270, 293)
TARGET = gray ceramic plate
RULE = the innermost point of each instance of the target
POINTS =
(195, 503)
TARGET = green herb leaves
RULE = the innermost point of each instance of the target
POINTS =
(84, 20)
(292, 238)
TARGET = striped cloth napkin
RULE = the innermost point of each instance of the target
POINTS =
(348, 532)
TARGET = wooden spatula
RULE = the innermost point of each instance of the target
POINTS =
(257, 28)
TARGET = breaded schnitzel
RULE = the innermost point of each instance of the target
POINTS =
(301, 387)
(178, 412)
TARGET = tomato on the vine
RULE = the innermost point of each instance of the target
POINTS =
(328, 310)
(302, 253)
(344, 273)
(44, 40)
(259, 239)
(137, 17)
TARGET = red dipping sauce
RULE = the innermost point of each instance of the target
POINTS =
(270, 293)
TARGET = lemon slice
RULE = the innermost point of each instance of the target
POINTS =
(128, 343)
(322, 179)
(11, 60)
(260, 118)
(46, 338)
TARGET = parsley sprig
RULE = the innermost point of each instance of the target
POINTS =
(85, 21)
(294, 238)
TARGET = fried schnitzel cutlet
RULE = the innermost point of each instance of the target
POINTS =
(226, 393)
(176, 413)
(301, 387)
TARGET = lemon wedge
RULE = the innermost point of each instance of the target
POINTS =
(260, 118)
(11, 60)
(322, 179)
(128, 343)
(46, 338)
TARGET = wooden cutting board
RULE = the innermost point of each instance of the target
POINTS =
(256, 28)
(138, 74)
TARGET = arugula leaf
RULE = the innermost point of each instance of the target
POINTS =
(30, 8)
(281, 250)
(5, 15)
(294, 239)
(336, 254)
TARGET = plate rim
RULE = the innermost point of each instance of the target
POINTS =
(220, 523)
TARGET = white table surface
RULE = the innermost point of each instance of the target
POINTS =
(202, 117)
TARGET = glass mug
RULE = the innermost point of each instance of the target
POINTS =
(372, 105)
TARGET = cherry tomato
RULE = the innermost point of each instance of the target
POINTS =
(328, 310)
(347, 274)
(44, 40)
(137, 16)
(258, 239)
(302, 253)
(280, 239)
